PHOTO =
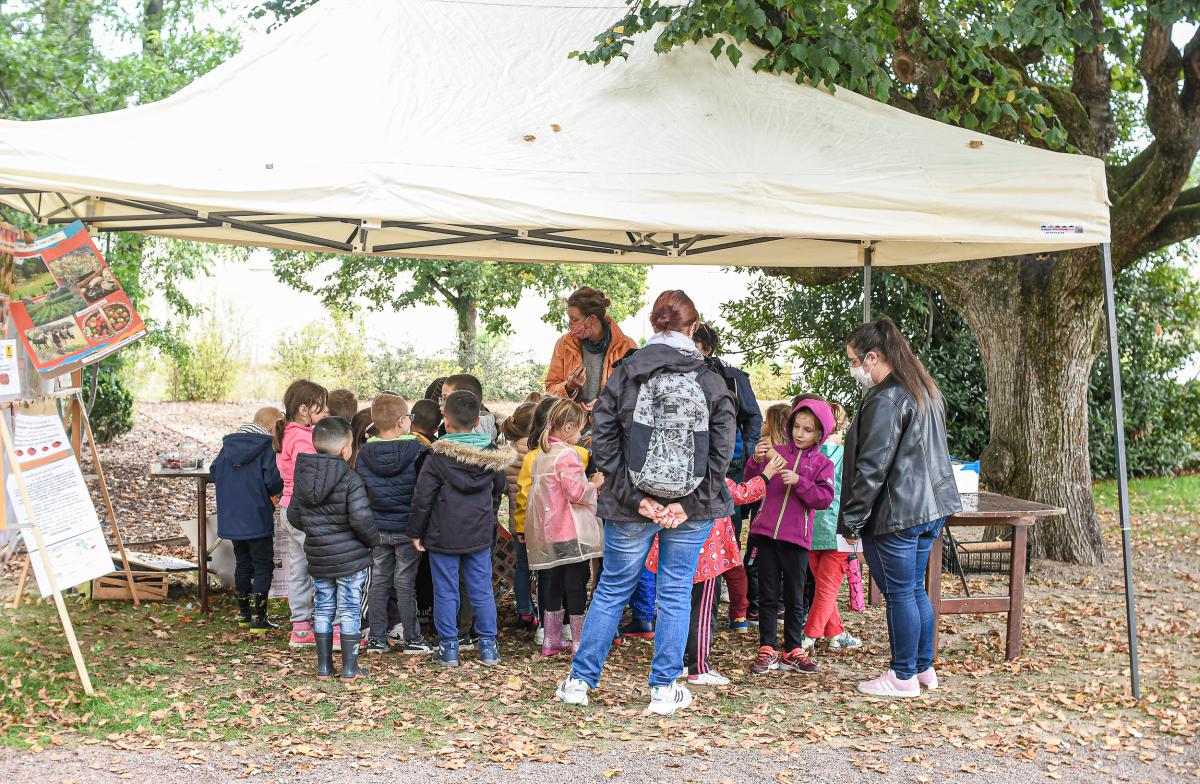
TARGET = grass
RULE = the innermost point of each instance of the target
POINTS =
(1160, 495)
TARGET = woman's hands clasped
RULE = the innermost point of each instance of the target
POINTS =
(668, 516)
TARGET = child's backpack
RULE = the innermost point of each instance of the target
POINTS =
(667, 453)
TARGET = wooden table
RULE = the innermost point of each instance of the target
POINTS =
(984, 509)
(203, 479)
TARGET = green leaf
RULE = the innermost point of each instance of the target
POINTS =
(773, 35)
(717, 47)
(733, 53)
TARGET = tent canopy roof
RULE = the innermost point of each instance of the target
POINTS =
(453, 129)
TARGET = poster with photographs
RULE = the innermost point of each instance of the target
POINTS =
(66, 305)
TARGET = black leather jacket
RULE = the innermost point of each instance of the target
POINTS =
(896, 471)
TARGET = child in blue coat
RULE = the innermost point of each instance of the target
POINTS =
(247, 477)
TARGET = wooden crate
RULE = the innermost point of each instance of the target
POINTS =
(151, 586)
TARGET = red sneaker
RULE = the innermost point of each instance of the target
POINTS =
(302, 636)
(767, 660)
(797, 661)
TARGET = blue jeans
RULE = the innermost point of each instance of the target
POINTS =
(477, 578)
(626, 546)
(343, 595)
(641, 606)
(898, 561)
(522, 589)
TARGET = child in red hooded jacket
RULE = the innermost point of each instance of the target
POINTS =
(782, 531)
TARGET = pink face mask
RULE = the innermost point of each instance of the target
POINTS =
(578, 329)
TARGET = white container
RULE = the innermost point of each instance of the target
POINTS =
(967, 479)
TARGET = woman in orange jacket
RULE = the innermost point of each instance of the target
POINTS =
(583, 358)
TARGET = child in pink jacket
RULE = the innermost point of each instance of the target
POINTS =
(305, 403)
(562, 533)
(782, 531)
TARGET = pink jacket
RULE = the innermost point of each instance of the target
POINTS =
(562, 489)
(297, 440)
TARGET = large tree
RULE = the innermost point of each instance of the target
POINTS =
(1114, 79)
(476, 291)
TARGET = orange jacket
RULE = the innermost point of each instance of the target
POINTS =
(568, 355)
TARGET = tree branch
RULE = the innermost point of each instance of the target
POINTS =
(451, 299)
(1091, 83)
(1122, 176)
(1159, 64)
(1180, 224)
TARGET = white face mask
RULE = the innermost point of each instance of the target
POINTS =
(862, 376)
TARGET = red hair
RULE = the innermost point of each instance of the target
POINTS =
(672, 311)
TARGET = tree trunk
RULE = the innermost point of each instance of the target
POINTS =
(1037, 321)
(467, 311)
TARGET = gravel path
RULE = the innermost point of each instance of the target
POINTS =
(90, 764)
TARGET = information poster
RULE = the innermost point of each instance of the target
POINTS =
(10, 370)
(61, 502)
(67, 307)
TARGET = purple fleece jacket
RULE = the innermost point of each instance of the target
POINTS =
(787, 512)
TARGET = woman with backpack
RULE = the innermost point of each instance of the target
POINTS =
(663, 436)
(897, 491)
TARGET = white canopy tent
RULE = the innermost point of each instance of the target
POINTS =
(453, 129)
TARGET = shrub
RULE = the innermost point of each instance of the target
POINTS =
(209, 368)
(111, 414)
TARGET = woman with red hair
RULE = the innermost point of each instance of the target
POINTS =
(663, 436)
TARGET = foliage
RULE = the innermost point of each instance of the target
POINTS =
(111, 414)
(209, 368)
(807, 327)
(476, 290)
(1158, 313)
(504, 375)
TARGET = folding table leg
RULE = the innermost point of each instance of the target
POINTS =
(1016, 591)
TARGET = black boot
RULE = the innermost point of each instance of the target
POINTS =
(350, 669)
(324, 654)
(244, 610)
(261, 623)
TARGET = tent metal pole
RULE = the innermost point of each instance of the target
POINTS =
(867, 252)
(1114, 364)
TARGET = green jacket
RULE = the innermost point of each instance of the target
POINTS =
(825, 523)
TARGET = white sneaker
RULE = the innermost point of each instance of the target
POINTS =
(539, 636)
(710, 678)
(808, 643)
(572, 691)
(928, 679)
(888, 685)
(566, 633)
(845, 640)
(665, 700)
(396, 634)
(724, 593)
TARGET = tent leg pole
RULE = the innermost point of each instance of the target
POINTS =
(867, 253)
(1114, 363)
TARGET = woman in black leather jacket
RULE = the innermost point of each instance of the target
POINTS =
(897, 491)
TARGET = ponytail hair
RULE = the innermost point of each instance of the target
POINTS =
(885, 339)
(299, 393)
(775, 423)
(537, 424)
(564, 412)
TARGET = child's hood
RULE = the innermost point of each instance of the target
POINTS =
(317, 476)
(244, 448)
(390, 458)
(818, 408)
(474, 466)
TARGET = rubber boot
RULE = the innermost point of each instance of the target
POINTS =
(552, 622)
(576, 632)
(243, 600)
(261, 623)
(350, 669)
(324, 643)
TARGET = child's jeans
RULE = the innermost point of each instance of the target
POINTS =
(829, 570)
(254, 563)
(476, 569)
(395, 566)
(300, 583)
(341, 597)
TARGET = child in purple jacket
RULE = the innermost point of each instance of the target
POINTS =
(782, 531)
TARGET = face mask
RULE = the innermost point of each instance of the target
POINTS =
(862, 376)
(578, 329)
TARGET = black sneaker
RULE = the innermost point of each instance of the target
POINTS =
(378, 645)
(468, 642)
(418, 646)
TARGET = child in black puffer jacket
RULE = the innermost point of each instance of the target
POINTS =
(330, 505)
(389, 464)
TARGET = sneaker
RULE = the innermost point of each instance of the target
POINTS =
(888, 685)
(526, 623)
(539, 636)
(724, 593)
(710, 678)
(378, 645)
(447, 653)
(767, 660)
(638, 627)
(572, 691)
(416, 646)
(928, 679)
(489, 651)
(847, 640)
(739, 625)
(396, 634)
(302, 636)
(468, 642)
(566, 633)
(665, 700)
(807, 643)
(798, 661)
(752, 617)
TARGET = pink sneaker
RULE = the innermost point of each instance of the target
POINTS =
(302, 636)
(888, 685)
(928, 679)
